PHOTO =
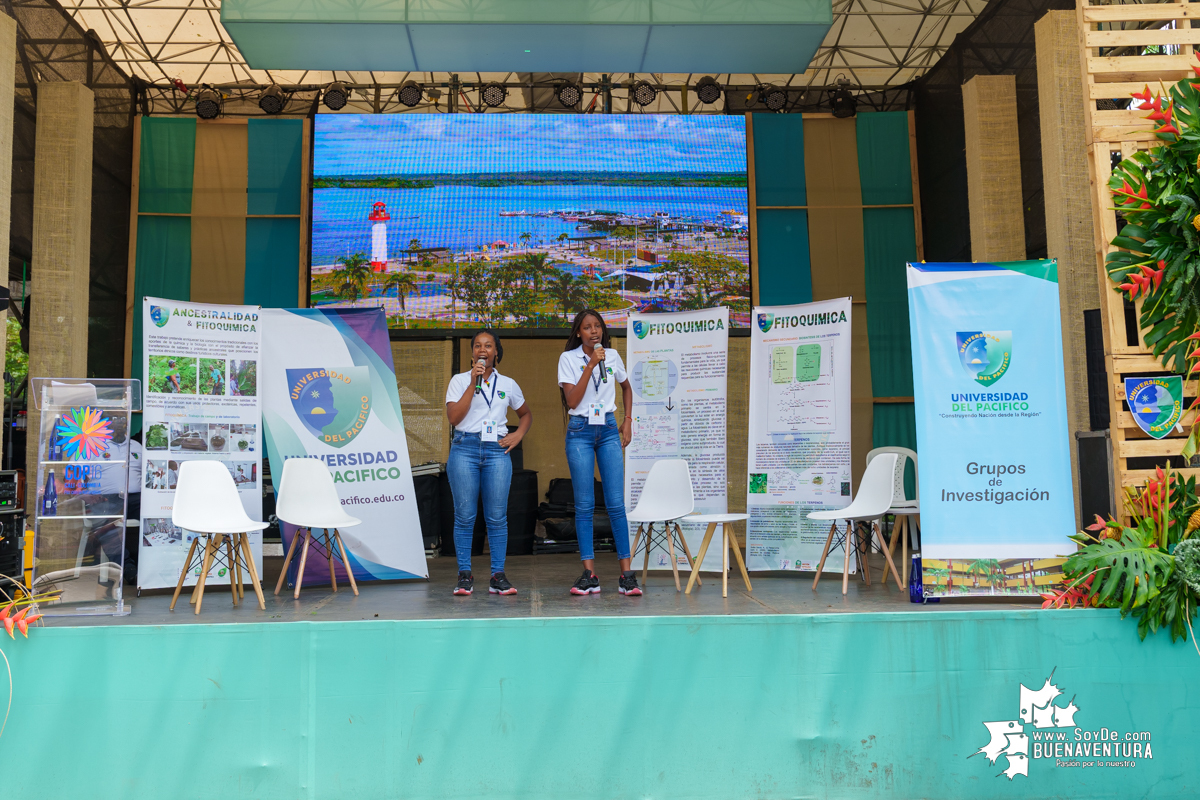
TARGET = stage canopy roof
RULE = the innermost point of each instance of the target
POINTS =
(873, 43)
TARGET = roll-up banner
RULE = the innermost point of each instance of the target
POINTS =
(677, 368)
(994, 473)
(329, 392)
(799, 459)
(200, 401)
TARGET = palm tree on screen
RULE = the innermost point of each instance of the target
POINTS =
(352, 276)
(570, 291)
(405, 285)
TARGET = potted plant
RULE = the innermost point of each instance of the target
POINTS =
(243, 444)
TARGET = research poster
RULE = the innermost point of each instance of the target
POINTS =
(200, 402)
(329, 392)
(994, 471)
(799, 457)
(677, 366)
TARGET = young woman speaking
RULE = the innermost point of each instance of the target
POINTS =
(588, 373)
(477, 404)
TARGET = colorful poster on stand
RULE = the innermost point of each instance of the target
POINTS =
(329, 392)
(799, 459)
(200, 401)
(677, 368)
(994, 471)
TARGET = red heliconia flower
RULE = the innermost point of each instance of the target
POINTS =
(1195, 336)
(4, 613)
(1129, 287)
(1168, 128)
(1158, 471)
(23, 622)
(1098, 525)
(8, 626)
(1159, 111)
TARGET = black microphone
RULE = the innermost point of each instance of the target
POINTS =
(603, 371)
(479, 378)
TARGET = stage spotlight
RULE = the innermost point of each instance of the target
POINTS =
(208, 104)
(568, 94)
(336, 95)
(493, 94)
(708, 90)
(643, 93)
(411, 93)
(773, 97)
(271, 101)
(844, 104)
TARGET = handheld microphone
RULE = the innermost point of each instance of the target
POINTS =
(479, 378)
(603, 371)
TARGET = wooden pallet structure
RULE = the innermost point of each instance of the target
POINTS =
(1125, 47)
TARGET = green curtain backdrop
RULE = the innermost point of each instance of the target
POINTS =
(889, 242)
(784, 263)
(274, 148)
(272, 262)
(166, 165)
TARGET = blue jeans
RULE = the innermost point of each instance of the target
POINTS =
(588, 445)
(476, 466)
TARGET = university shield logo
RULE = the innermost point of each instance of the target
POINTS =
(333, 404)
(1156, 403)
(640, 329)
(765, 321)
(985, 355)
(160, 316)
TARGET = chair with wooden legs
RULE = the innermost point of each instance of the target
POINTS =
(207, 504)
(666, 498)
(728, 537)
(308, 499)
(874, 498)
(902, 510)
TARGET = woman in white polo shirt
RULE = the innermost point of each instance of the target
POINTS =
(588, 373)
(477, 404)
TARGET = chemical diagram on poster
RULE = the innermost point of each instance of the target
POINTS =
(655, 434)
(802, 396)
(655, 379)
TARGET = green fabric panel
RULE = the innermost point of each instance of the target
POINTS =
(272, 262)
(889, 243)
(166, 165)
(163, 269)
(700, 707)
(884, 163)
(784, 273)
(779, 160)
(896, 426)
(274, 147)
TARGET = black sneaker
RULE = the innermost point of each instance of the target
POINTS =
(588, 583)
(466, 582)
(500, 584)
(627, 584)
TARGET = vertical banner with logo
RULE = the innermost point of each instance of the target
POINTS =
(200, 401)
(994, 471)
(799, 459)
(677, 368)
(329, 392)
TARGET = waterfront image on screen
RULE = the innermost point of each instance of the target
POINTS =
(521, 220)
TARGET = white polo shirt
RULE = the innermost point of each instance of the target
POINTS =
(571, 365)
(492, 404)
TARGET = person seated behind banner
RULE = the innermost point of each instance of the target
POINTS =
(588, 372)
(477, 403)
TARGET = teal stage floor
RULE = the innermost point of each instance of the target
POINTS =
(671, 698)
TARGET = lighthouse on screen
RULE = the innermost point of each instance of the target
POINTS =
(379, 254)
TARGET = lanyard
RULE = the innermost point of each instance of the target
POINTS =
(595, 377)
(495, 383)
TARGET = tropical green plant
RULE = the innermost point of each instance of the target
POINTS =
(352, 276)
(569, 292)
(404, 285)
(16, 360)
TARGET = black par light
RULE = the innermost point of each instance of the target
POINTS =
(208, 104)
(411, 93)
(271, 101)
(335, 96)
(773, 97)
(493, 94)
(844, 104)
(708, 91)
(643, 93)
(568, 94)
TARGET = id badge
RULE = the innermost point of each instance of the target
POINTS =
(596, 414)
(490, 432)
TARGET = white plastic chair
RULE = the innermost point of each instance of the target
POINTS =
(207, 503)
(874, 498)
(308, 499)
(901, 508)
(666, 498)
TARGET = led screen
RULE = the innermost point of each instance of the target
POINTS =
(521, 220)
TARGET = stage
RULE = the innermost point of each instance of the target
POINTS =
(407, 691)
